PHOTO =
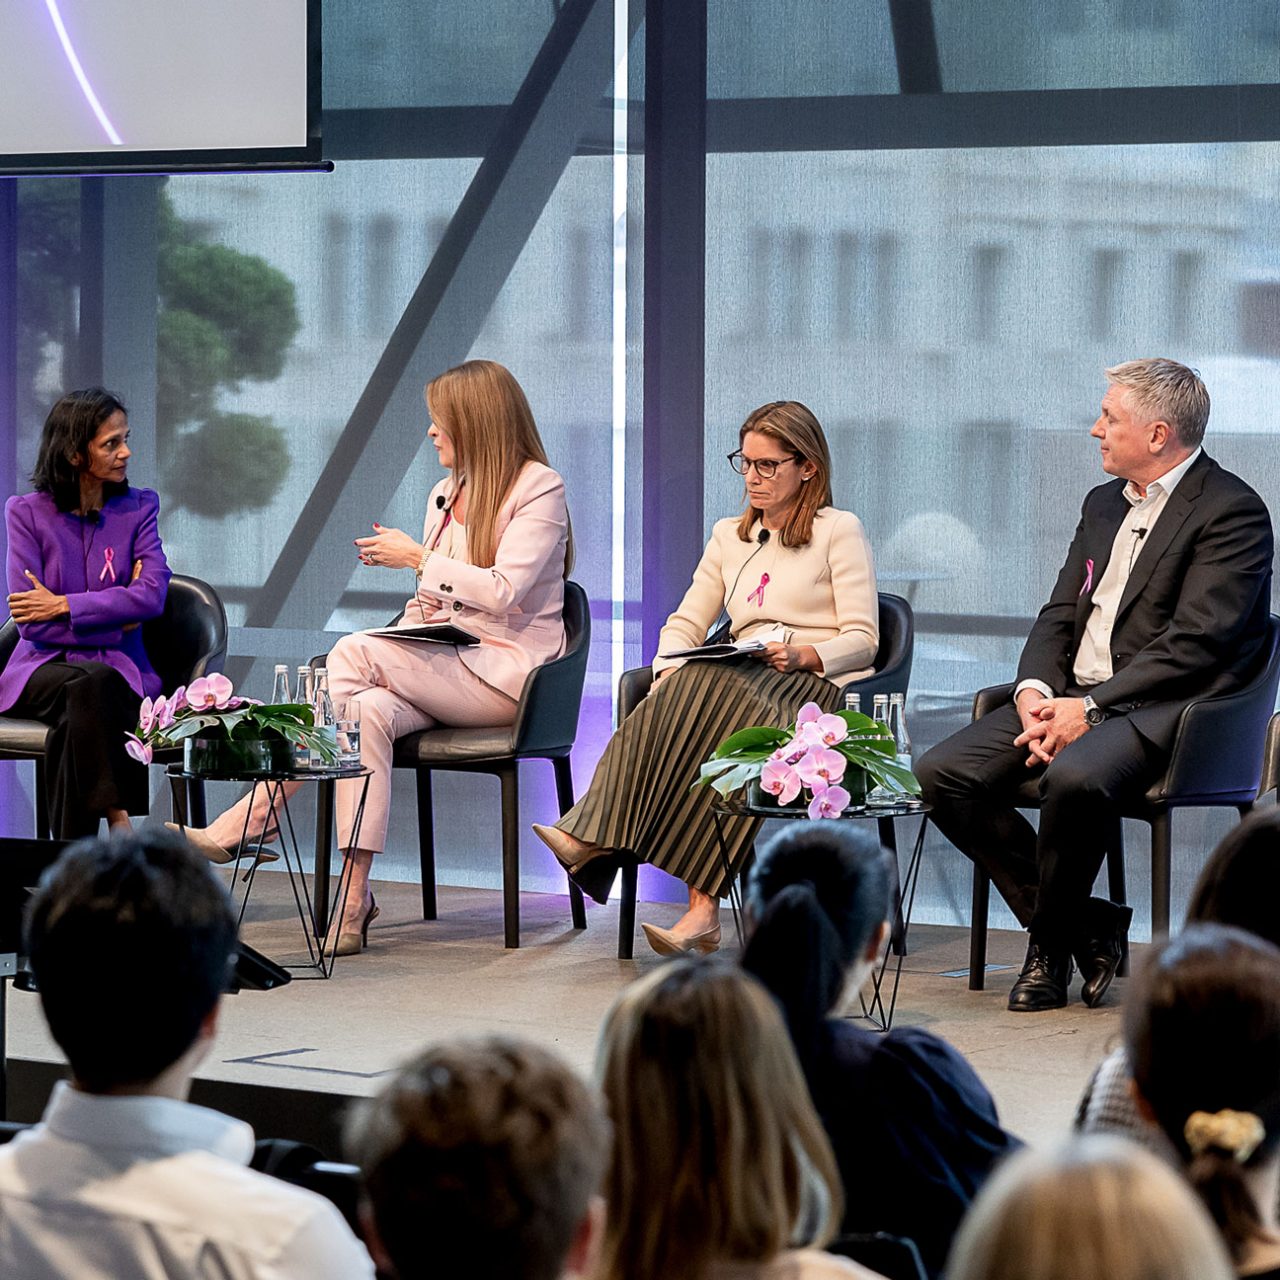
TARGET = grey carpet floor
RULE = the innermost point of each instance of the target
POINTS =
(422, 981)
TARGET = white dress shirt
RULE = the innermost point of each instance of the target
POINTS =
(1093, 657)
(133, 1188)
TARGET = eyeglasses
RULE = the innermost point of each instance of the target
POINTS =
(766, 468)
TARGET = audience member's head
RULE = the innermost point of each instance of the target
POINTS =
(1202, 1031)
(482, 1158)
(717, 1151)
(1093, 1207)
(131, 940)
(818, 896)
(1240, 884)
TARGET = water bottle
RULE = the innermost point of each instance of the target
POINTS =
(901, 738)
(280, 685)
(853, 702)
(304, 695)
(878, 796)
(326, 722)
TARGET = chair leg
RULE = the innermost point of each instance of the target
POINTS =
(627, 911)
(197, 810)
(1115, 863)
(889, 840)
(564, 798)
(42, 802)
(1161, 854)
(1116, 890)
(426, 843)
(180, 804)
(510, 856)
(978, 929)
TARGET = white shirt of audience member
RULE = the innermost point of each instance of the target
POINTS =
(149, 1188)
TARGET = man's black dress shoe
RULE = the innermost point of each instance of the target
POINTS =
(1101, 949)
(1042, 984)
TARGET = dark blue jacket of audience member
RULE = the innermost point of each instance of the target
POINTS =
(914, 1131)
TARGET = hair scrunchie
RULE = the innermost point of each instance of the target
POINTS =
(1236, 1132)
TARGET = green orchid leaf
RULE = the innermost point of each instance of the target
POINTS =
(762, 740)
(736, 779)
(897, 777)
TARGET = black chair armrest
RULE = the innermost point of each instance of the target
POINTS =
(987, 700)
(1218, 746)
(633, 688)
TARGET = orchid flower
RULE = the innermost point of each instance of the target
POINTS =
(146, 716)
(791, 751)
(178, 699)
(821, 767)
(139, 750)
(829, 802)
(832, 728)
(163, 713)
(207, 693)
(779, 779)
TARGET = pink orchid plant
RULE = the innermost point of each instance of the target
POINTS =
(209, 707)
(819, 755)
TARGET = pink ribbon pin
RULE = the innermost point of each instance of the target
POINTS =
(1088, 579)
(108, 555)
(757, 596)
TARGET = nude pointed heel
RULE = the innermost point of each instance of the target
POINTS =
(200, 839)
(667, 943)
(353, 941)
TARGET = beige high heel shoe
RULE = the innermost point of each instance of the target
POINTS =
(667, 943)
(200, 839)
(351, 942)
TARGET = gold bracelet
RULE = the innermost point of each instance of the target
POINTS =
(422, 564)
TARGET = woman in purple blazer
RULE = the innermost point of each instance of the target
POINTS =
(84, 568)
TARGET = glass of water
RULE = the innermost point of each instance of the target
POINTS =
(348, 730)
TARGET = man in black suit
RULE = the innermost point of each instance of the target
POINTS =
(1164, 597)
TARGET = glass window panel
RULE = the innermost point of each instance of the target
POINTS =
(429, 53)
(799, 48)
(960, 307)
(1088, 44)
(1015, 277)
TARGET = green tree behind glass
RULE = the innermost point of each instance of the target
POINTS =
(225, 318)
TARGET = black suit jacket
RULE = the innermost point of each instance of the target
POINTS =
(1193, 617)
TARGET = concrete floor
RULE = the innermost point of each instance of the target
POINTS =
(422, 981)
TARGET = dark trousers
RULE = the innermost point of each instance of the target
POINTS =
(972, 780)
(89, 707)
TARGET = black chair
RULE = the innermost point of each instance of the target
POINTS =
(544, 729)
(892, 665)
(1219, 752)
(188, 640)
(893, 1257)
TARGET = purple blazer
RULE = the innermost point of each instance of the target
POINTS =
(90, 564)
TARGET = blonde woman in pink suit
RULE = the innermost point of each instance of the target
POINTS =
(495, 551)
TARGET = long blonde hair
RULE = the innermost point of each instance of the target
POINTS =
(488, 419)
(793, 426)
(1094, 1206)
(718, 1154)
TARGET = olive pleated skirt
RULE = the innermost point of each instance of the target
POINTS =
(640, 801)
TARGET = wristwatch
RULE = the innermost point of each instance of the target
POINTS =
(1093, 714)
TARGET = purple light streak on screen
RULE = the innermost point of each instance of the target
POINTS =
(86, 87)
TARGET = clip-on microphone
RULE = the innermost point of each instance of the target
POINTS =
(761, 538)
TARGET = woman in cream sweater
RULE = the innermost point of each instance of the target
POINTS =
(791, 570)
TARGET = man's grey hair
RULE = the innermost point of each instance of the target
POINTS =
(1168, 391)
